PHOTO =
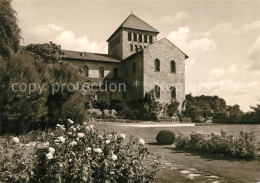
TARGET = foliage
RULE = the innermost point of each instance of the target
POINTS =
(14, 165)
(20, 110)
(80, 154)
(172, 108)
(147, 107)
(238, 147)
(203, 106)
(236, 116)
(48, 51)
(9, 30)
(165, 137)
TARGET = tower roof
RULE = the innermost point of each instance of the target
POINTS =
(134, 22)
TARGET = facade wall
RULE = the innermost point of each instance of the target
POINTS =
(115, 45)
(95, 65)
(133, 92)
(126, 51)
(165, 51)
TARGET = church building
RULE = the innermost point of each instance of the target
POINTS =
(136, 63)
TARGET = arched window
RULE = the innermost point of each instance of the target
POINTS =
(173, 67)
(134, 69)
(115, 73)
(129, 36)
(173, 92)
(157, 65)
(136, 48)
(131, 47)
(135, 37)
(150, 39)
(145, 38)
(86, 70)
(125, 71)
(101, 72)
(157, 91)
(140, 38)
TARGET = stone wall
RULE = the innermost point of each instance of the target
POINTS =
(165, 51)
(126, 52)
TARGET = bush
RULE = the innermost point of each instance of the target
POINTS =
(80, 154)
(165, 137)
(238, 147)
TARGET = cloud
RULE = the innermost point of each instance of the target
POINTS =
(220, 28)
(254, 50)
(193, 43)
(69, 41)
(177, 18)
(66, 38)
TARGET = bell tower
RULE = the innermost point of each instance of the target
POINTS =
(131, 36)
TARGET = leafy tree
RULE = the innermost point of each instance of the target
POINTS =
(9, 31)
(48, 51)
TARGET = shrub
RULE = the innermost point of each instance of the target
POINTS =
(165, 137)
(80, 154)
(238, 147)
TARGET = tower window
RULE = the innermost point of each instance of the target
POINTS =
(134, 68)
(173, 67)
(145, 38)
(150, 39)
(157, 91)
(136, 48)
(129, 36)
(157, 65)
(101, 72)
(173, 92)
(86, 70)
(135, 37)
(131, 47)
(115, 73)
(140, 38)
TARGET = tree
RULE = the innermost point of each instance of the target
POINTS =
(9, 31)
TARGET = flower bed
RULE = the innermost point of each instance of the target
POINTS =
(79, 153)
(238, 147)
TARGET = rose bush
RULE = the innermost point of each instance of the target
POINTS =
(79, 153)
(238, 147)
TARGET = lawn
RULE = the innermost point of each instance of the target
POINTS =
(189, 167)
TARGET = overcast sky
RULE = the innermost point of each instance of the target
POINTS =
(222, 38)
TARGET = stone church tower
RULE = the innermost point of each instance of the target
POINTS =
(132, 35)
(139, 61)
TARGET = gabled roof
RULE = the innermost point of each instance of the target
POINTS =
(134, 22)
(77, 55)
(186, 56)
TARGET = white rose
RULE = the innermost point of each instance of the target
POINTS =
(87, 128)
(114, 157)
(141, 141)
(61, 127)
(100, 137)
(122, 135)
(70, 121)
(91, 126)
(81, 135)
(51, 150)
(16, 140)
(98, 150)
(88, 148)
(73, 143)
(107, 141)
(49, 155)
(61, 139)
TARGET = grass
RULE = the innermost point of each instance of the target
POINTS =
(228, 169)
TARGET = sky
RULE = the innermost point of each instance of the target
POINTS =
(221, 38)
